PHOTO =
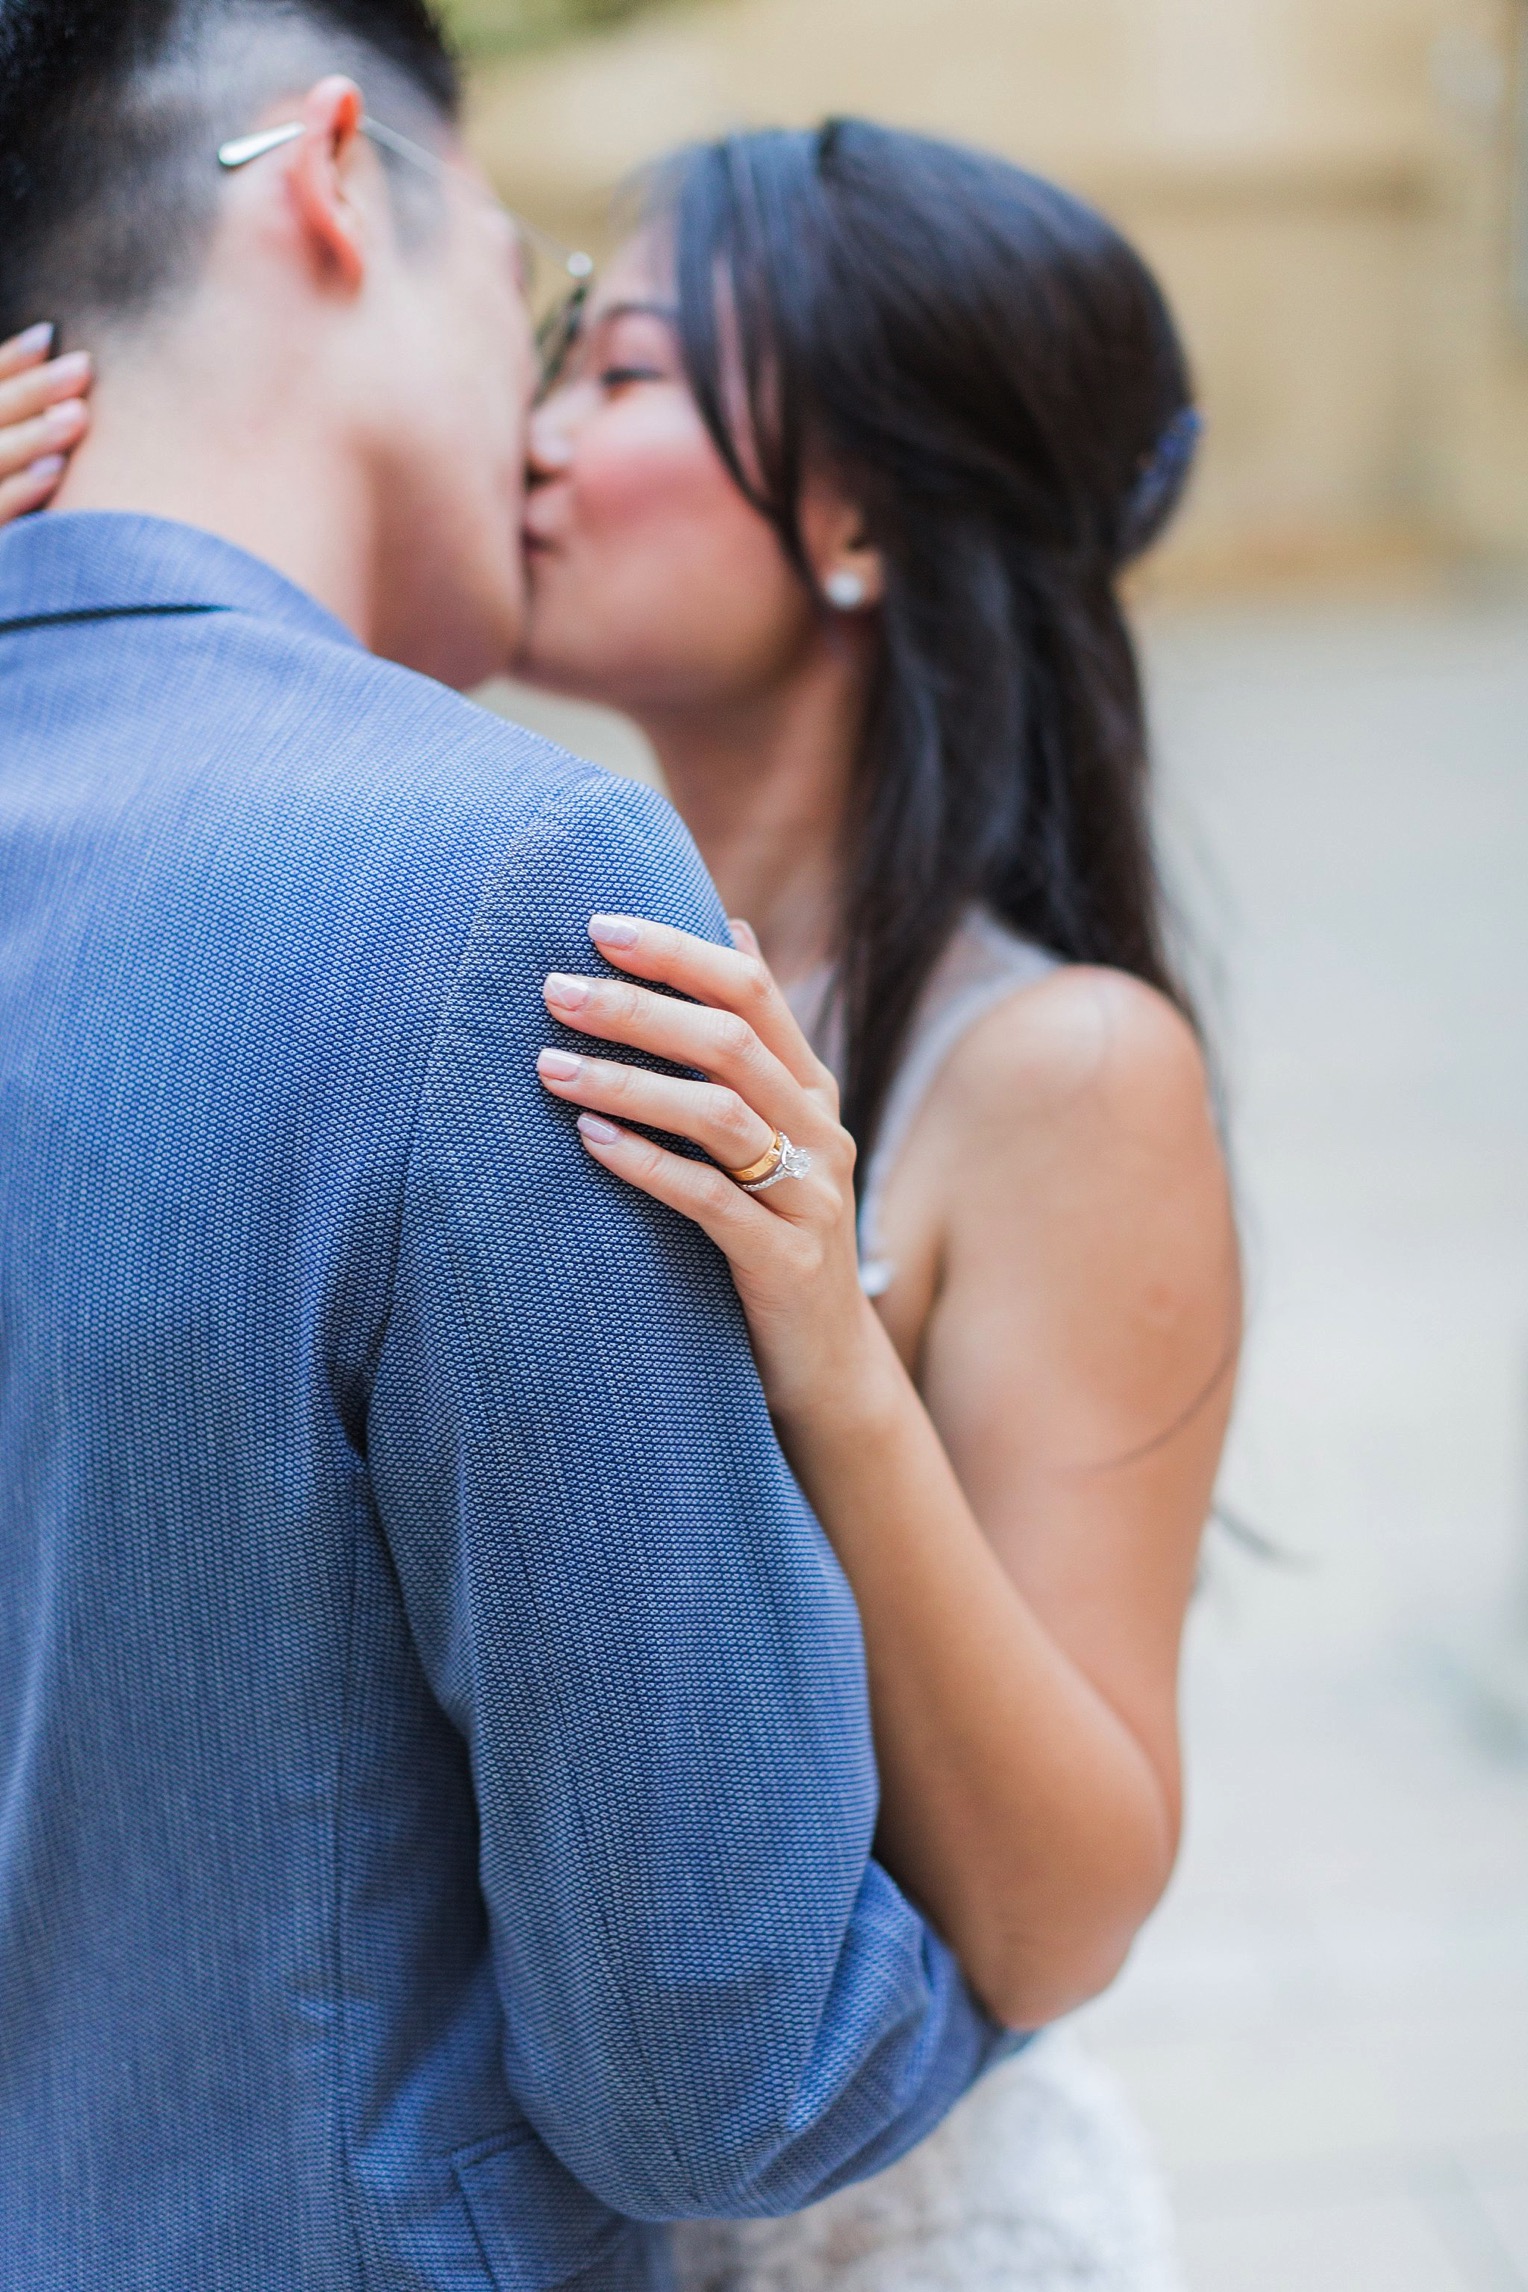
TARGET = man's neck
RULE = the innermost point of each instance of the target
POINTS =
(175, 434)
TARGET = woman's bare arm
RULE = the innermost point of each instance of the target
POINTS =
(1020, 1570)
(1069, 1301)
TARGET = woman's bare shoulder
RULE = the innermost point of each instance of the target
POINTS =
(1080, 1194)
(1086, 1049)
(1069, 1161)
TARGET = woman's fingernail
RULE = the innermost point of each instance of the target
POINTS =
(613, 931)
(571, 993)
(559, 1066)
(36, 338)
(64, 418)
(595, 1127)
(744, 938)
(73, 367)
(45, 469)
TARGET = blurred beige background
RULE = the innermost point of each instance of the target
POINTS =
(1326, 2026)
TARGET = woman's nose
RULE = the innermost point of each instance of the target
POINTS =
(551, 443)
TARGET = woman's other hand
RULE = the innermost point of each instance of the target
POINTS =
(43, 417)
(792, 1249)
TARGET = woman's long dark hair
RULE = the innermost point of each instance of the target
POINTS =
(994, 376)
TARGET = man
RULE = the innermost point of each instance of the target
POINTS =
(435, 1786)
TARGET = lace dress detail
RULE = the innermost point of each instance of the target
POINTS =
(1040, 2180)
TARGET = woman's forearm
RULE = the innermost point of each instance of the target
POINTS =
(1017, 1806)
(1033, 1819)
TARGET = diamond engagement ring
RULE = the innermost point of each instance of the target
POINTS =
(783, 1160)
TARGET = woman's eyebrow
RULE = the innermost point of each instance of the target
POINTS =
(634, 309)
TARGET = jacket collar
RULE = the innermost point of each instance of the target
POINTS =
(92, 564)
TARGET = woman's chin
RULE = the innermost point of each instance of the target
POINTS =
(533, 665)
(536, 661)
(549, 671)
(556, 656)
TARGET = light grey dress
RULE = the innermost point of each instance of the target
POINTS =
(1040, 2181)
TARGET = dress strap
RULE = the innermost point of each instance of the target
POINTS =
(983, 965)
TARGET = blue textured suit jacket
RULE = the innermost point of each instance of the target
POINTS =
(435, 1787)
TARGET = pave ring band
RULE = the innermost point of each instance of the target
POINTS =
(781, 1160)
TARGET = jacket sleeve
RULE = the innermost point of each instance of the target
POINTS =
(714, 2001)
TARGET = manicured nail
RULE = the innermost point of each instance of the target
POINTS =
(64, 418)
(74, 367)
(45, 469)
(558, 1066)
(35, 339)
(572, 994)
(744, 938)
(598, 1130)
(613, 931)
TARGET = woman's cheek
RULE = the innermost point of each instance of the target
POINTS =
(646, 467)
(668, 581)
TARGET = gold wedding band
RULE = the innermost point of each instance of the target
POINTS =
(765, 1167)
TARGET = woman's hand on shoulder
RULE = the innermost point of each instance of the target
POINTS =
(792, 1249)
(43, 418)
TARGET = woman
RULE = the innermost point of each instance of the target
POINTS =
(832, 497)
(831, 494)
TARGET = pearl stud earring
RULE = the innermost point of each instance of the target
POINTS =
(845, 590)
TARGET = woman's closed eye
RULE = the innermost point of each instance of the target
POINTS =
(633, 343)
(620, 377)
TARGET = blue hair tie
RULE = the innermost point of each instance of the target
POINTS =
(1162, 478)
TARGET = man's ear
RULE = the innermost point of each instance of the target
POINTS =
(322, 176)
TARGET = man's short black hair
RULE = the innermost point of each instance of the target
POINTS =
(111, 113)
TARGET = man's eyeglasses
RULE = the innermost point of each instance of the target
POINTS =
(557, 278)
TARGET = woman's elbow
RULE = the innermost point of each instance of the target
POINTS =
(1031, 1974)
(1032, 1988)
